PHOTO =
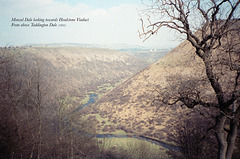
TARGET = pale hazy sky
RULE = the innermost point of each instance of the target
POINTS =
(110, 22)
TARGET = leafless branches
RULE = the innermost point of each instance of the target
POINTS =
(30, 126)
(215, 38)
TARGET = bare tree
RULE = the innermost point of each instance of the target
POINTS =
(11, 99)
(193, 138)
(37, 121)
(212, 27)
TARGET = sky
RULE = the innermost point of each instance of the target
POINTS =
(107, 22)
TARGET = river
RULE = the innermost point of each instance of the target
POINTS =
(92, 99)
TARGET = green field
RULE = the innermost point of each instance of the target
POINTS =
(133, 147)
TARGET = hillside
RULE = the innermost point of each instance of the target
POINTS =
(41, 91)
(82, 70)
(130, 106)
(133, 107)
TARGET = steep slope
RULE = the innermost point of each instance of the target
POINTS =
(130, 106)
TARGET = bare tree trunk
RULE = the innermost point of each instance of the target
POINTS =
(226, 145)
(60, 130)
(31, 155)
(39, 134)
(220, 134)
(71, 142)
(39, 113)
(232, 137)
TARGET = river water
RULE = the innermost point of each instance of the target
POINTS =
(92, 99)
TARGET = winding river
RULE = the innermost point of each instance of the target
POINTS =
(92, 99)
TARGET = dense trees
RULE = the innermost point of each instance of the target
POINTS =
(193, 137)
(212, 27)
(35, 116)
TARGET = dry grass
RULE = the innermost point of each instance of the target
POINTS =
(131, 103)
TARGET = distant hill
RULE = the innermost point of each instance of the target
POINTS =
(148, 55)
(118, 47)
(62, 45)
(82, 70)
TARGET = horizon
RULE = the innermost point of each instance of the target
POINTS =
(101, 23)
(119, 46)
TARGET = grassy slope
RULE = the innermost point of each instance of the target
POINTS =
(129, 106)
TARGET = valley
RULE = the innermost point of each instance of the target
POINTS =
(101, 97)
(156, 79)
(72, 79)
(85, 70)
(130, 109)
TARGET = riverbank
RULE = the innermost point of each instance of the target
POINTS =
(92, 100)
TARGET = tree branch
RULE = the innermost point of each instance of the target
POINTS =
(191, 103)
